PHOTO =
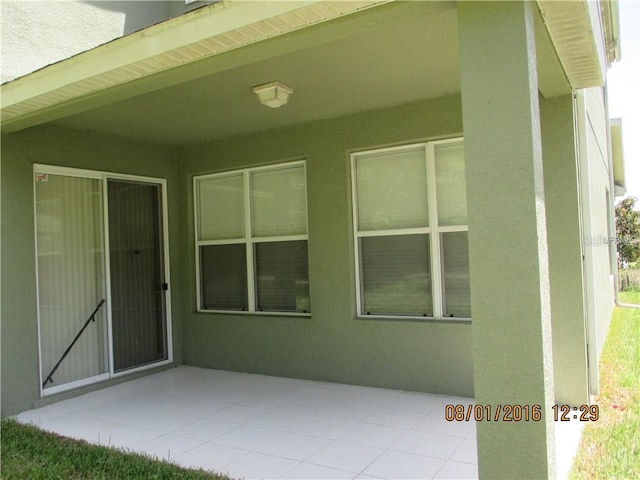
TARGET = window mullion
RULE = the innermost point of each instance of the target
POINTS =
(196, 228)
(436, 269)
(281, 238)
(356, 246)
(251, 283)
(393, 231)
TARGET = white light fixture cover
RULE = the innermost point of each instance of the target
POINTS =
(273, 94)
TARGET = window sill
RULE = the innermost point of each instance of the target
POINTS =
(259, 314)
(399, 318)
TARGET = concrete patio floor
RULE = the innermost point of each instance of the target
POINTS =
(256, 426)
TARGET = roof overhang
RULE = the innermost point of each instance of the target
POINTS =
(617, 152)
(208, 31)
(585, 35)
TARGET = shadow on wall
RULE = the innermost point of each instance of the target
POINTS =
(141, 14)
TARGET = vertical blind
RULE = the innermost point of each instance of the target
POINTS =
(70, 258)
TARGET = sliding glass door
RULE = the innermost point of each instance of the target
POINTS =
(102, 276)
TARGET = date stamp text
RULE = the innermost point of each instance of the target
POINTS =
(518, 413)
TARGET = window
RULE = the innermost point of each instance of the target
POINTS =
(410, 224)
(251, 240)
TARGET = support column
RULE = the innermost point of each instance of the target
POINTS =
(507, 236)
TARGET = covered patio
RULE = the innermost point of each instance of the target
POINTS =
(257, 426)
(173, 106)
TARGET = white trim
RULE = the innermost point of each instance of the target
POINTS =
(453, 228)
(437, 285)
(394, 232)
(241, 171)
(75, 384)
(167, 269)
(414, 318)
(35, 240)
(196, 231)
(94, 174)
(433, 230)
(249, 240)
(248, 234)
(257, 312)
(356, 237)
(394, 148)
(67, 171)
(280, 238)
(107, 272)
(234, 241)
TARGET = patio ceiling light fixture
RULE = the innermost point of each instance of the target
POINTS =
(273, 94)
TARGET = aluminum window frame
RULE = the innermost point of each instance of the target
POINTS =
(248, 240)
(433, 230)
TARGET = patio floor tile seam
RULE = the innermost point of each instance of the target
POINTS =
(356, 472)
(432, 457)
(217, 469)
(257, 448)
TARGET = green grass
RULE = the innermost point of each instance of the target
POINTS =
(610, 447)
(30, 453)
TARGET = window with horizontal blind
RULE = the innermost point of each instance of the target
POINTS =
(251, 240)
(410, 224)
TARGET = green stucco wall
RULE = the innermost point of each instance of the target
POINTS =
(332, 345)
(69, 148)
(561, 185)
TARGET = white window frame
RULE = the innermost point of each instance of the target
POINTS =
(249, 240)
(433, 230)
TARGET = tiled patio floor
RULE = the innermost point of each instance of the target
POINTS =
(255, 426)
